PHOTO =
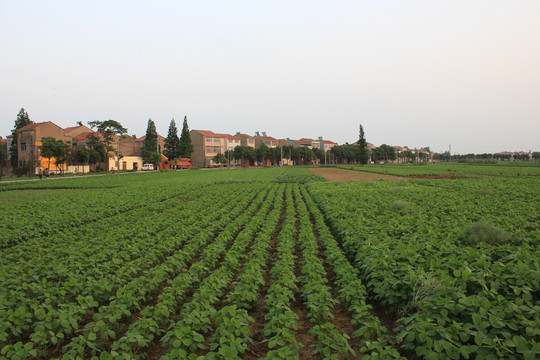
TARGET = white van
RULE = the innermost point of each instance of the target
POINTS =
(147, 167)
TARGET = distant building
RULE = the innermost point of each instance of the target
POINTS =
(207, 144)
(326, 145)
(266, 140)
(312, 143)
(245, 140)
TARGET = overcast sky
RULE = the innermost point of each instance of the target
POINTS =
(416, 73)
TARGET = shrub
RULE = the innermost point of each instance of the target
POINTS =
(399, 205)
(486, 232)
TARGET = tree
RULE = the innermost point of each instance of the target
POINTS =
(150, 145)
(363, 155)
(3, 158)
(220, 159)
(48, 145)
(155, 158)
(319, 154)
(186, 147)
(22, 120)
(261, 153)
(60, 153)
(407, 155)
(243, 153)
(108, 129)
(172, 142)
(383, 153)
(98, 154)
(81, 155)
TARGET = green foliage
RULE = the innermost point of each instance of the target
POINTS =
(150, 144)
(155, 158)
(456, 301)
(220, 159)
(107, 130)
(3, 158)
(51, 147)
(363, 154)
(172, 142)
(192, 254)
(398, 205)
(261, 153)
(22, 120)
(185, 146)
(81, 155)
(485, 232)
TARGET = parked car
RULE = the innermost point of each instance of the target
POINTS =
(147, 167)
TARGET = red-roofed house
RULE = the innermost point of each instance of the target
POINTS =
(245, 140)
(314, 144)
(326, 145)
(206, 145)
(29, 140)
(266, 140)
(76, 130)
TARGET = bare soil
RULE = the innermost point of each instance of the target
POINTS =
(336, 174)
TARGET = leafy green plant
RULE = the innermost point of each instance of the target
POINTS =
(485, 232)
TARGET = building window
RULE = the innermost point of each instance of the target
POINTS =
(23, 146)
(212, 149)
(216, 139)
(208, 139)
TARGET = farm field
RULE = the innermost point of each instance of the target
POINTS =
(272, 263)
(453, 170)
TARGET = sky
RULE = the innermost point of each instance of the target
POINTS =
(436, 74)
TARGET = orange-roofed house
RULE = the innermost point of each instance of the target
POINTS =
(245, 140)
(206, 145)
(28, 143)
(266, 140)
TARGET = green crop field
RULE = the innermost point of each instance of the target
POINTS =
(272, 263)
(442, 170)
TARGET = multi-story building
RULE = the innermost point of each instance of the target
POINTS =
(314, 144)
(229, 142)
(298, 143)
(266, 140)
(29, 140)
(325, 145)
(245, 140)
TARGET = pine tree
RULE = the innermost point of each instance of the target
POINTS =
(150, 141)
(22, 120)
(186, 148)
(172, 142)
(363, 155)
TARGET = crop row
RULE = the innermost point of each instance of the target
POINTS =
(187, 336)
(281, 320)
(119, 280)
(54, 215)
(232, 335)
(455, 300)
(331, 344)
(377, 344)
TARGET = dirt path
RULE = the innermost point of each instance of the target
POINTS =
(336, 174)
